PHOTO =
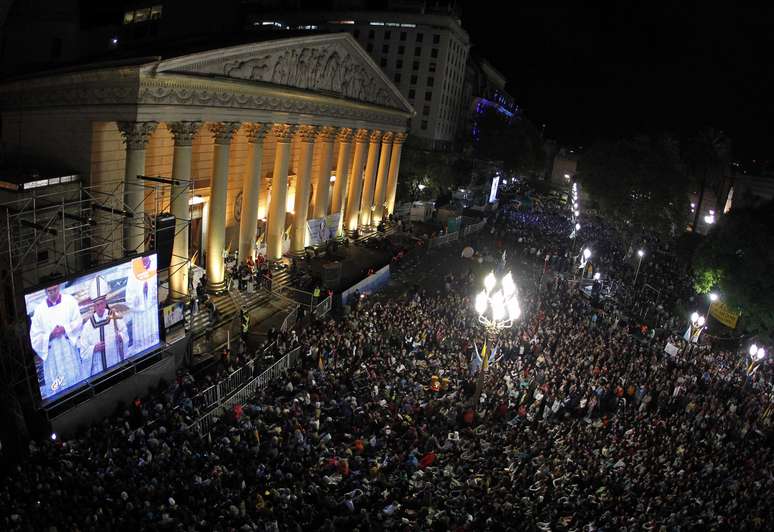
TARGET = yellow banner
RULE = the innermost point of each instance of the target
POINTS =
(723, 314)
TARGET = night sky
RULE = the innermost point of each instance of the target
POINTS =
(616, 71)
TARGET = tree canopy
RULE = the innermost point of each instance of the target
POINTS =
(736, 259)
(638, 183)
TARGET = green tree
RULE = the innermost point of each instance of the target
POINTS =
(707, 157)
(638, 183)
(736, 259)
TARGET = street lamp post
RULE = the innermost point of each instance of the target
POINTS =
(712, 298)
(756, 355)
(694, 330)
(497, 310)
(640, 253)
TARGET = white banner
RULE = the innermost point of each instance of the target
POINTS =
(320, 230)
(672, 349)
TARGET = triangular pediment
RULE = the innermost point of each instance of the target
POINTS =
(333, 64)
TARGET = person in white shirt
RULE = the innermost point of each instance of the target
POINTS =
(142, 298)
(56, 325)
(104, 337)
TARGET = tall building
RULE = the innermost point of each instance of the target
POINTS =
(422, 48)
(484, 89)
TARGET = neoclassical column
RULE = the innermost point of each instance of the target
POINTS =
(392, 181)
(367, 199)
(251, 187)
(324, 143)
(136, 136)
(283, 133)
(381, 178)
(183, 132)
(306, 135)
(344, 138)
(222, 132)
(356, 180)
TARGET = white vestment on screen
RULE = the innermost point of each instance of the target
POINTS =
(61, 364)
(112, 331)
(142, 297)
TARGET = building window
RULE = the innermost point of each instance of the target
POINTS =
(370, 47)
(426, 110)
(371, 34)
(424, 124)
(417, 51)
(397, 77)
(387, 34)
(420, 37)
(431, 67)
(436, 38)
(143, 14)
(383, 62)
(430, 81)
(428, 96)
(399, 63)
(403, 36)
(413, 79)
(356, 33)
(385, 48)
(401, 50)
(412, 93)
(415, 66)
(434, 53)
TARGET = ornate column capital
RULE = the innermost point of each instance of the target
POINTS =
(184, 132)
(306, 133)
(399, 138)
(387, 137)
(376, 136)
(344, 135)
(136, 134)
(282, 132)
(327, 134)
(256, 133)
(361, 135)
(223, 132)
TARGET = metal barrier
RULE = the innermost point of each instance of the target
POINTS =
(444, 239)
(246, 391)
(470, 229)
(289, 320)
(323, 308)
(289, 293)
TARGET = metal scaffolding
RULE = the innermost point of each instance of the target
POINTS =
(55, 230)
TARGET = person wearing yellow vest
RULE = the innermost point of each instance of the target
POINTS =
(316, 295)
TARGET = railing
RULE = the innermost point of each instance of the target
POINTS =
(474, 228)
(246, 391)
(289, 293)
(444, 239)
(323, 308)
(212, 395)
(290, 320)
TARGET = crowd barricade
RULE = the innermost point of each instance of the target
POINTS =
(474, 228)
(246, 390)
(210, 396)
(323, 308)
(443, 239)
(290, 320)
(288, 293)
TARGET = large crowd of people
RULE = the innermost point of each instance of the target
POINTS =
(581, 425)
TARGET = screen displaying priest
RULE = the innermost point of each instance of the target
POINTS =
(56, 325)
(104, 337)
